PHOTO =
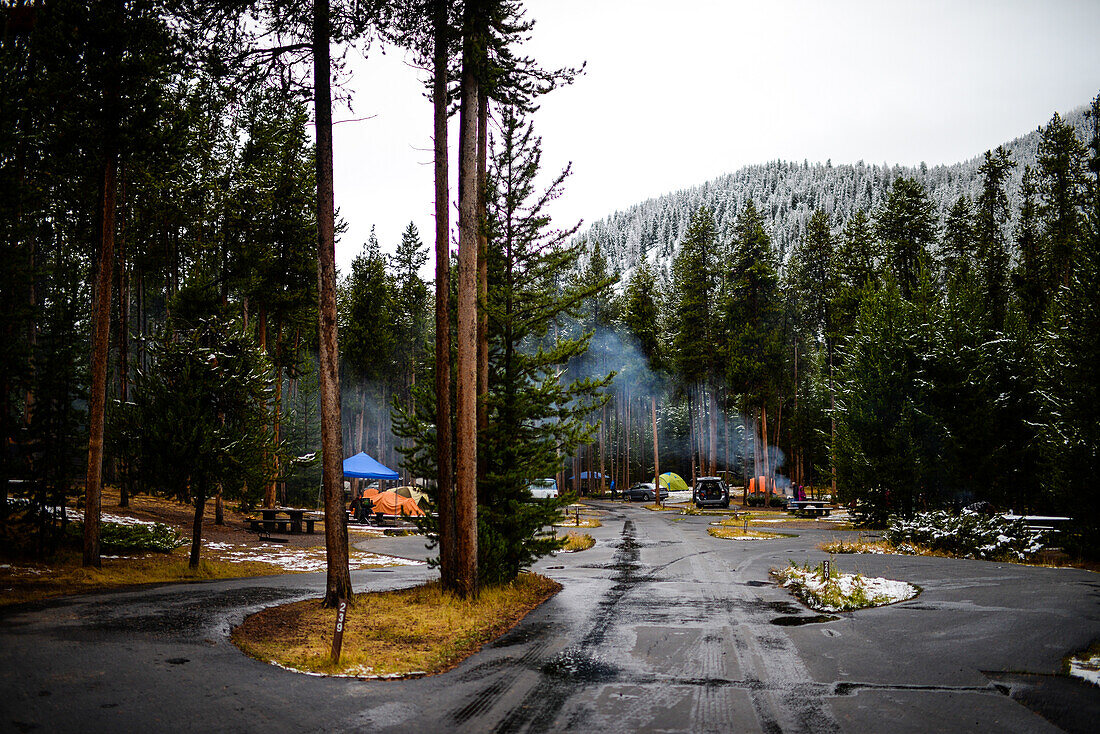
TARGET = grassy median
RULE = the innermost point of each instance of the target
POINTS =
(408, 632)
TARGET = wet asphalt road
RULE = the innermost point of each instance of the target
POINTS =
(659, 628)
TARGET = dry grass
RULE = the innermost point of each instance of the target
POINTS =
(861, 546)
(584, 522)
(417, 631)
(29, 581)
(1045, 559)
(578, 542)
(693, 510)
(738, 533)
(662, 508)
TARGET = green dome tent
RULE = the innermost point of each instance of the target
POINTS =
(673, 482)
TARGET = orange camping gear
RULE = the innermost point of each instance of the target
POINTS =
(391, 503)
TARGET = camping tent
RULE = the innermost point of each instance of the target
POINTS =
(673, 482)
(362, 466)
(391, 503)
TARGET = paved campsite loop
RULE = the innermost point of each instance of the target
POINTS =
(659, 627)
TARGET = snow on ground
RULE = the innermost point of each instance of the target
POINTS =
(845, 590)
(78, 516)
(1086, 666)
(299, 559)
(681, 495)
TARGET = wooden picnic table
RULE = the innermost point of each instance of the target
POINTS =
(809, 507)
(272, 522)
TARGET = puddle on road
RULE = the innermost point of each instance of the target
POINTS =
(577, 666)
(798, 621)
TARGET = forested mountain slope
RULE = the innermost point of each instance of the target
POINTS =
(787, 193)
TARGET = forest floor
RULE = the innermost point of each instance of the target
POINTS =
(230, 550)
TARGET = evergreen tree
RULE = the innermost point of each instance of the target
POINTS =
(880, 422)
(1061, 196)
(693, 282)
(199, 417)
(856, 268)
(641, 312)
(992, 214)
(1071, 375)
(1030, 278)
(958, 241)
(534, 416)
(906, 226)
(751, 317)
(410, 303)
(813, 277)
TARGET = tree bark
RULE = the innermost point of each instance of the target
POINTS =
(656, 458)
(93, 490)
(832, 427)
(123, 338)
(603, 463)
(338, 582)
(766, 450)
(196, 527)
(712, 468)
(466, 336)
(482, 266)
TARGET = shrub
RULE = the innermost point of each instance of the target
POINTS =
(967, 535)
(756, 499)
(841, 591)
(139, 537)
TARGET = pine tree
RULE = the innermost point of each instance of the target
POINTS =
(992, 214)
(534, 414)
(751, 319)
(906, 226)
(856, 269)
(813, 276)
(1061, 196)
(641, 312)
(958, 242)
(1030, 278)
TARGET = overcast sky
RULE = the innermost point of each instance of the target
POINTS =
(676, 93)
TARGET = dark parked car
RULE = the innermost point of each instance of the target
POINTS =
(643, 492)
(711, 492)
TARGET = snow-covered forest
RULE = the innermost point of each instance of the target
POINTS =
(897, 338)
(787, 193)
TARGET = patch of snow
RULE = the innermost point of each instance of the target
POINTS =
(878, 590)
(299, 559)
(1087, 668)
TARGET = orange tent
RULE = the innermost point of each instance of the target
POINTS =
(391, 503)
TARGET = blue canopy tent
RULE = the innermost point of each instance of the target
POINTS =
(596, 475)
(362, 466)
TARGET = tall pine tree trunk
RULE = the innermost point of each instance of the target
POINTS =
(338, 581)
(712, 468)
(444, 481)
(482, 266)
(656, 457)
(466, 336)
(196, 526)
(766, 450)
(101, 327)
(603, 463)
(832, 427)
(123, 340)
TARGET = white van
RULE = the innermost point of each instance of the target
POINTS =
(543, 488)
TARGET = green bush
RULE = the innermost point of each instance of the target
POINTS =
(756, 499)
(115, 536)
(967, 535)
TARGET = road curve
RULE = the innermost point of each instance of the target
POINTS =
(660, 627)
